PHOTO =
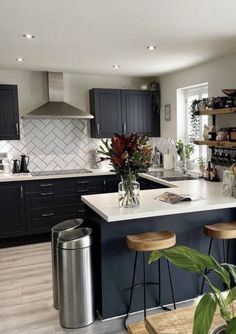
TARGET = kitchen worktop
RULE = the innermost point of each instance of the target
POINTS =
(29, 177)
(205, 195)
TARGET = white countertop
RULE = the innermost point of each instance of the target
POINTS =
(29, 177)
(208, 196)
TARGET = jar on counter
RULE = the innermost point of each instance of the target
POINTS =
(228, 183)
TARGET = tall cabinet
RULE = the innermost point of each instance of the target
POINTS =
(123, 111)
(9, 113)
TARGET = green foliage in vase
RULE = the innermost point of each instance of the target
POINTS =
(184, 150)
(191, 260)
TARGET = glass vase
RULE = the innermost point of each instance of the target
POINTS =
(128, 192)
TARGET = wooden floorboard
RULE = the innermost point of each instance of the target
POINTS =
(26, 295)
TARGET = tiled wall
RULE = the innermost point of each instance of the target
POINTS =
(61, 144)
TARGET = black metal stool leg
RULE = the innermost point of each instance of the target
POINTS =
(171, 284)
(159, 281)
(132, 290)
(205, 272)
(144, 285)
(224, 254)
(227, 256)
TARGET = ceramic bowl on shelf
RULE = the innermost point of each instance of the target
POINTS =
(229, 92)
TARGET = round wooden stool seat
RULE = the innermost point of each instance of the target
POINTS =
(151, 241)
(221, 230)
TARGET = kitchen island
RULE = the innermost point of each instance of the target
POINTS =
(114, 261)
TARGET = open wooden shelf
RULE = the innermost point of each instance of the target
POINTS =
(216, 143)
(218, 111)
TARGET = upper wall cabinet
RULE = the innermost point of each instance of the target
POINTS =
(123, 111)
(9, 113)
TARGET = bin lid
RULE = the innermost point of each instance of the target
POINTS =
(70, 224)
(78, 238)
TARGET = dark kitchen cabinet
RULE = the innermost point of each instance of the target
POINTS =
(11, 210)
(49, 202)
(123, 111)
(9, 113)
(105, 105)
(138, 114)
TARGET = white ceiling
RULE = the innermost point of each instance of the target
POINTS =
(89, 36)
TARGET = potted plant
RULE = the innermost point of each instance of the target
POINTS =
(184, 151)
(129, 155)
(191, 260)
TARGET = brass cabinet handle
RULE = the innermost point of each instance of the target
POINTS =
(46, 185)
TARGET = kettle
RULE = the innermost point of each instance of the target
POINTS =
(16, 166)
(24, 163)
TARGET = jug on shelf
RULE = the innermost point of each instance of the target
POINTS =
(24, 163)
(16, 166)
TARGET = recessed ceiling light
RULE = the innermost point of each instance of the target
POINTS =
(29, 36)
(116, 66)
(19, 59)
(151, 47)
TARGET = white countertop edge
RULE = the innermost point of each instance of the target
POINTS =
(29, 177)
(156, 213)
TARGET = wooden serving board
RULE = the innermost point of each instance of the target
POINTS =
(179, 321)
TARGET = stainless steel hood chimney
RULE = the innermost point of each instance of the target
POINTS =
(56, 107)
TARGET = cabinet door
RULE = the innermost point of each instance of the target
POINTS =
(11, 211)
(105, 105)
(138, 114)
(9, 113)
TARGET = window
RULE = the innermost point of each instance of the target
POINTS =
(188, 129)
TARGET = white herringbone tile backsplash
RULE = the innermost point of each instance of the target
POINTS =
(60, 144)
(53, 144)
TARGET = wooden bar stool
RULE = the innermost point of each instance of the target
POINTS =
(147, 242)
(220, 231)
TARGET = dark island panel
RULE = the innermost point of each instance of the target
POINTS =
(113, 261)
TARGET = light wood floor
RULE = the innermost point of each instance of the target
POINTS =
(26, 295)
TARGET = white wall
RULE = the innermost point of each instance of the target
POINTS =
(220, 73)
(32, 87)
(76, 86)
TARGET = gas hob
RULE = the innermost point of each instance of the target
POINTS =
(61, 172)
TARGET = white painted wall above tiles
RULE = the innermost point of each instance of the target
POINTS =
(220, 73)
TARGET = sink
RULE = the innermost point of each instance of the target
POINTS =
(171, 175)
(179, 178)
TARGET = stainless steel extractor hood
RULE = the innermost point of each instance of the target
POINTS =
(56, 107)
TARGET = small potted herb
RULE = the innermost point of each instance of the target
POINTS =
(193, 261)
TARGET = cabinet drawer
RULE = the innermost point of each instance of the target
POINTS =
(43, 219)
(39, 186)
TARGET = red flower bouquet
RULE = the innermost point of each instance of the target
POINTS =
(129, 155)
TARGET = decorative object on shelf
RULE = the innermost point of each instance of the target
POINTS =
(167, 112)
(229, 92)
(205, 132)
(212, 133)
(193, 261)
(223, 134)
(129, 155)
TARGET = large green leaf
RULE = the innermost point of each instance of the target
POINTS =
(231, 269)
(231, 327)
(155, 255)
(231, 296)
(189, 259)
(204, 314)
(222, 272)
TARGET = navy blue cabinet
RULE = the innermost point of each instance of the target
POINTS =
(123, 111)
(9, 113)
(11, 210)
